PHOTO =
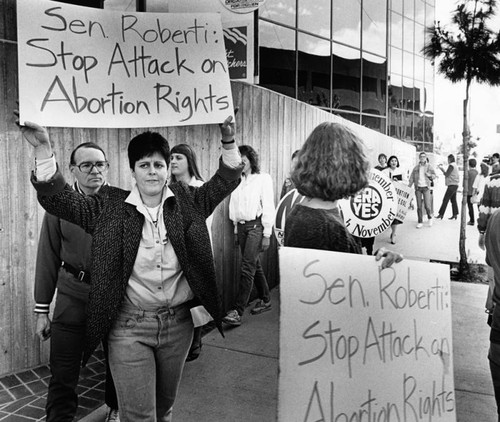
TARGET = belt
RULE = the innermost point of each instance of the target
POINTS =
(256, 221)
(82, 276)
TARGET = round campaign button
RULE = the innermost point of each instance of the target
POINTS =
(373, 209)
(282, 210)
(242, 6)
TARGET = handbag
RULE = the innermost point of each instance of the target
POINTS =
(475, 199)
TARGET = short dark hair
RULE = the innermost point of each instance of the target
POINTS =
(252, 156)
(451, 157)
(85, 145)
(331, 164)
(391, 157)
(381, 155)
(472, 162)
(145, 145)
(190, 155)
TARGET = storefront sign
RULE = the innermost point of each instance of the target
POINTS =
(372, 211)
(87, 67)
(359, 343)
(236, 42)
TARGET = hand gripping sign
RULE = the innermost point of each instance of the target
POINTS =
(371, 211)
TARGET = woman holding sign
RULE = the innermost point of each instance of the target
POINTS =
(330, 166)
(151, 262)
(396, 175)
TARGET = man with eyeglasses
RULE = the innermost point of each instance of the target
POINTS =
(63, 260)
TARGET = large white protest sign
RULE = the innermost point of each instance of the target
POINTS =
(85, 67)
(359, 343)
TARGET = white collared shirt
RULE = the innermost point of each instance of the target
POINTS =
(253, 198)
(157, 278)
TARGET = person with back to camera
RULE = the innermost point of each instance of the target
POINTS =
(422, 177)
(251, 209)
(62, 263)
(395, 174)
(151, 262)
(184, 168)
(451, 180)
(331, 165)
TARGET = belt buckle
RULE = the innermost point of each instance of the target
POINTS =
(81, 276)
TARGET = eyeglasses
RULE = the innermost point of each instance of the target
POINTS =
(87, 166)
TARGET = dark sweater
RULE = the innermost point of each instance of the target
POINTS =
(313, 228)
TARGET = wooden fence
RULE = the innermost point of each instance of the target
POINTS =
(273, 124)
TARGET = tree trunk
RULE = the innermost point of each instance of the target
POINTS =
(464, 265)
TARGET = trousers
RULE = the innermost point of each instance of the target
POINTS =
(250, 241)
(147, 351)
(66, 346)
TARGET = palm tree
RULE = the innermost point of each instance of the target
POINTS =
(469, 51)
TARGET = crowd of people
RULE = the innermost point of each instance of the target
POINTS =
(134, 270)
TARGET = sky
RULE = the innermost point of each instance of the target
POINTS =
(484, 103)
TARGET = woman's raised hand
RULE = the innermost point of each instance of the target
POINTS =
(227, 129)
(37, 136)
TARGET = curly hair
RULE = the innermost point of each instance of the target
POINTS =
(190, 155)
(331, 164)
(253, 157)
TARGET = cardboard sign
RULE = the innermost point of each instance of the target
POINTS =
(358, 343)
(85, 67)
(405, 195)
(372, 211)
(282, 210)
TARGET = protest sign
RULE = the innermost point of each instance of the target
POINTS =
(359, 343)
(371, 211)
(85, 67)
(404, 195)
(282, 210)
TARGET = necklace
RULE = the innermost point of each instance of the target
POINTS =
(155, 222)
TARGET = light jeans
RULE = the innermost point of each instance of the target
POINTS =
(147, 351)
(423, 196)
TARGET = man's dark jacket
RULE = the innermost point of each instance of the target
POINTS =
(116, 228)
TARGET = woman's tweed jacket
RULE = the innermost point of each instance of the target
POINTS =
(116, 228)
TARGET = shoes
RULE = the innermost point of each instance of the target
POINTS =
(420, 225)
(470, 223)
(112, 416)
(439, 217)
(194, 352)
(260, 307)
(430, 221)
(453, 217)
(232, 318)
(393, 239)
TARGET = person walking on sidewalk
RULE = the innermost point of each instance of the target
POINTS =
(422, 176)
(63, 263)
(451, 180)
(251, 209)
(151, 262)
(472, 174)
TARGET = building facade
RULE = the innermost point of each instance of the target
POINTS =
(361, 60)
